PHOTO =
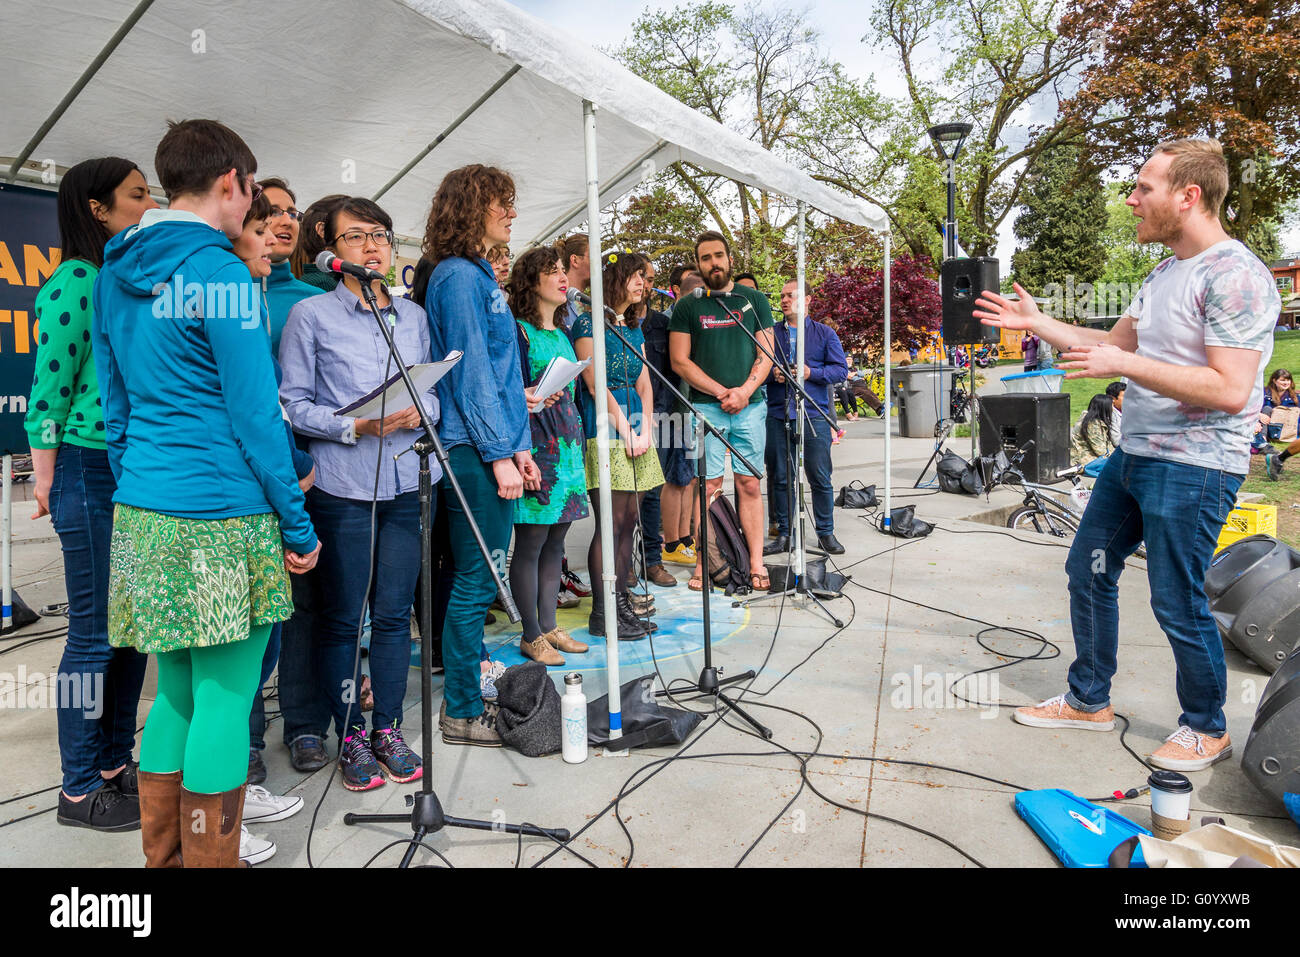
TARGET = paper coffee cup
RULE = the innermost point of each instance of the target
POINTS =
(1171, 797)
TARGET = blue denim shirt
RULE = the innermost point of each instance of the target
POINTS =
(332, 353)
(483, 395)
(824, 355)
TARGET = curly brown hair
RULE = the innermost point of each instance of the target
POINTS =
(459, 211)
(525, 304)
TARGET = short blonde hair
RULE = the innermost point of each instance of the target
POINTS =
(1198, 162)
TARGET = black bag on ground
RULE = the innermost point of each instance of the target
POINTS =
(728, 553)
(958, 476)
(904, 523)
(529, 720)
(646, 723)
(857, 495)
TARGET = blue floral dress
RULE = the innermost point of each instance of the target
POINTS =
(557, 441)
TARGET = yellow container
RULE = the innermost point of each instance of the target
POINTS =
(1248, 518)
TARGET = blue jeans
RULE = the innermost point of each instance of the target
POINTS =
(816, 466)
(257, 715)
(343, 525)
(1178, 511)
(304, 709)
(97, 727)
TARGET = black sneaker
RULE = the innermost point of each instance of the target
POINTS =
(307, 753)
(104, 809)
(127, 780)
(398, 761)
(256, 767)
(357, 763)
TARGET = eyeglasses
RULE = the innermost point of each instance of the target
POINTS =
(355, 238)
(253, 189)
(295, 215)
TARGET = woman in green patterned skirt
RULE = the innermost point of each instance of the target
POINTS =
(209, 515)
(632, 471)
(543, 515)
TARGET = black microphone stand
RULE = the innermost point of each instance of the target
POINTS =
(795, 486)
(426, 816)
(709, 683)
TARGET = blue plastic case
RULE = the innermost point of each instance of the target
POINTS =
(1080, 833)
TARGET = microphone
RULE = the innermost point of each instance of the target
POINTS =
(328, 262)
(576, 295)
(699, 292)
(663, 292)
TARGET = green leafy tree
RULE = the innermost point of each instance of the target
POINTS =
(1062, 222)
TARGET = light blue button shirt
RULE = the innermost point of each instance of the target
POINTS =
(332, 353)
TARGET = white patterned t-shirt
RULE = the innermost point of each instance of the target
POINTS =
(1223, 296)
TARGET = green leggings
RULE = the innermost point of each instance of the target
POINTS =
(199, 721)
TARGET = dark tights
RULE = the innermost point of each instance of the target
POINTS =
(626, 508)
(535, 570)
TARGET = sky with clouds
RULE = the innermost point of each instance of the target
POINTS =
(842, 24)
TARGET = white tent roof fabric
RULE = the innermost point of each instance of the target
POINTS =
(338, 96)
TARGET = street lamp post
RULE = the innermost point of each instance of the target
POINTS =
(948, 139)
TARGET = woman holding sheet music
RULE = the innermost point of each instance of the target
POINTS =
(332, 353)
(543, 515)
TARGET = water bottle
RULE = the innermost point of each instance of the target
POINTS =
(573, 720)
(1079, 498)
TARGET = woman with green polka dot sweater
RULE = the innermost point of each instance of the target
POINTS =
(74, 485)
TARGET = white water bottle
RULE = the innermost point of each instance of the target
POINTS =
(573, 720)
(1079, 498)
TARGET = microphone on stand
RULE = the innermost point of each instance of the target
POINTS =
(328, 262)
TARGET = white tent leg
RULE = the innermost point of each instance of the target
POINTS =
(796, 513)
(606, 531)
(6, 543)
(887, 409)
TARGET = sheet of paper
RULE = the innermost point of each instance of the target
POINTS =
(559, 372)
(392, 395)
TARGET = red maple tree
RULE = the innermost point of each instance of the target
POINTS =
(853, 300)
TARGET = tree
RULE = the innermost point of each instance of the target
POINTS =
(1222, 68)
(1062, 222)
(854, 301)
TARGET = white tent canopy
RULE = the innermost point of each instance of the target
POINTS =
(342, 96)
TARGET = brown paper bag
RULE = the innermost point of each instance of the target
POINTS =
(1289, 418)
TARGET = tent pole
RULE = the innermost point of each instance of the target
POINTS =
(6, 543)
(87, 75)
(796, 513)
(469, 111)
(887, 409)
(606, 531)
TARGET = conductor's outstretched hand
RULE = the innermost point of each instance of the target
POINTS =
(993, 309)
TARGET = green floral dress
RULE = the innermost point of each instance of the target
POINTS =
(557, 441)
(179, 583)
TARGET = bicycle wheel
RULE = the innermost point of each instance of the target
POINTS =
(1047, 519)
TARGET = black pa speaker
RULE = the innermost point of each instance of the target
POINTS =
(1272, 756)
(1008, 422)
(1254, 591)
(960, 283)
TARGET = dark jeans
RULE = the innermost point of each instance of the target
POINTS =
(257, 715)
(344, 528)
(473, 589)
(816, 466)
(1177, 510)
(303, 706)
(97, 719)
(652, 538)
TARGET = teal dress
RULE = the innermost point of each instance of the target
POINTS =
(557, 441)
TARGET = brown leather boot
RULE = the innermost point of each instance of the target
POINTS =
(210, 827)
(160, 818)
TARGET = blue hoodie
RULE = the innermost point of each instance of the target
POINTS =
(191, 408)
(283, 292)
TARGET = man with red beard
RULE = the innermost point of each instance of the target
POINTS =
(1192, 345)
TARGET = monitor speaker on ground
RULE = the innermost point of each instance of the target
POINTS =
(1254, 591)
(1008, 422)
(960, 283)
(1272, 756)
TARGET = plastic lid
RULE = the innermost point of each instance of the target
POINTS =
(1171, 782)
(574, 680)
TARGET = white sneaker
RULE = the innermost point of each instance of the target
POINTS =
(261, 806)
(254, 850)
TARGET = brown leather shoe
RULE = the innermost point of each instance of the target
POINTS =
(210, 827)
(658, 575)
(563, 641)
(160, 818)
(540, 650)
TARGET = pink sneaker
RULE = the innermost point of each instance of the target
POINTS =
(1186, 750)
(1055, 713)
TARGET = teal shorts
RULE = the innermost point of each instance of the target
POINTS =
(746, 430)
